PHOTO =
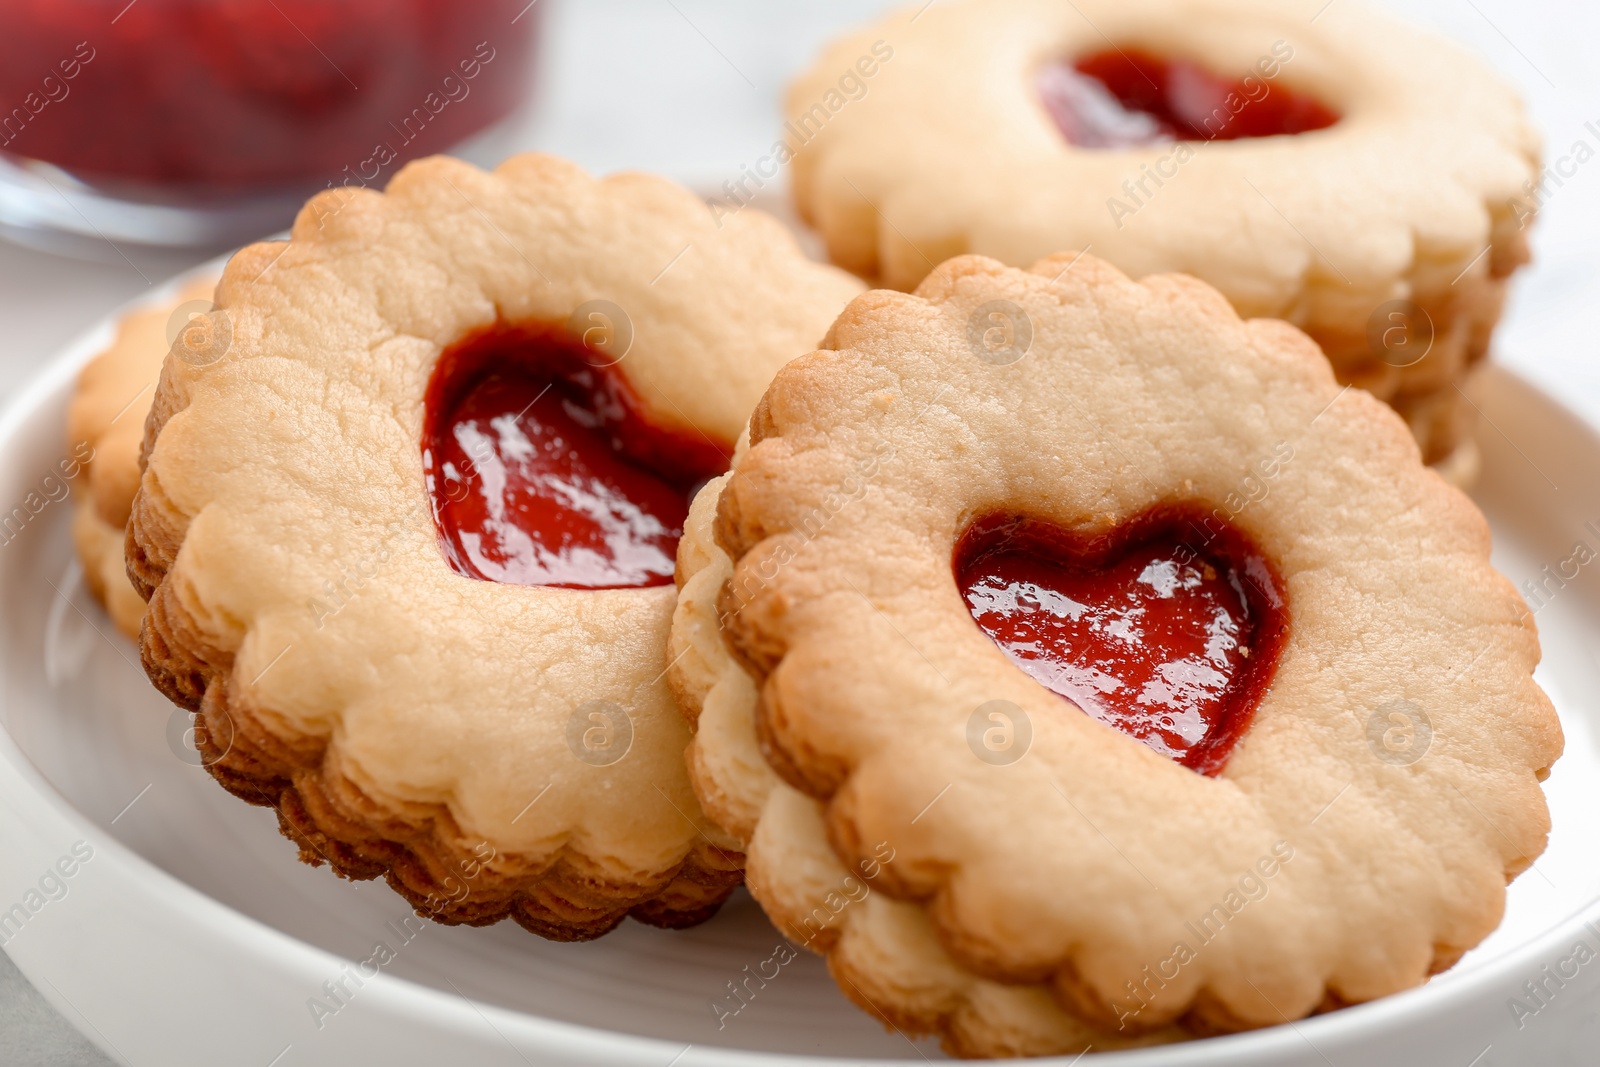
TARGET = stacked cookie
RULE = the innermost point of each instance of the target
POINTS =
(322, 503)
(1075, 660)
(1038, 883)
(1348, 173)
(105, 425)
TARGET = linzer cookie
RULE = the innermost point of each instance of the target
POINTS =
(1117, 654)
(1353, 175)
(408, 537)
(106, 422)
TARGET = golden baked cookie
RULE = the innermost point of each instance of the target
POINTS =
(106, 417)
(1358, 177)
(1105, 629)
(407, 528)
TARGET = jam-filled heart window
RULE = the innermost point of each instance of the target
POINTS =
(544, 467)
(1167, 628)
(1127, 97)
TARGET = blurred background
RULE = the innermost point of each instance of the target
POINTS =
(138, 139)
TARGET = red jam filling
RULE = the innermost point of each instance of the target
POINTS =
(544, 469)
(1167, 629)
(1127, 98)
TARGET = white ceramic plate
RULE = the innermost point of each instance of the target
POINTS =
(192, 936)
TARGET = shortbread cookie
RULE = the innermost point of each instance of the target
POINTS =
(882, 951)
(1325, 742)
(106, 419)
(408, 534)
(1361, 178)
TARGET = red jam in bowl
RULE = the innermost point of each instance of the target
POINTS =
(1126, 98)
(1168, 629)
(234, 94)
(544, 468)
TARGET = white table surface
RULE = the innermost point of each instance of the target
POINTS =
(691, 88)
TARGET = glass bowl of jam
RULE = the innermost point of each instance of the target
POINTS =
(205, 123)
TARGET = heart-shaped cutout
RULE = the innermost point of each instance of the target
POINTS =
(1168, 628)
(543, 467)
(1122, 98)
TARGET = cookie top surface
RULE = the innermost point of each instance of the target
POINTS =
(869, 461)
(285, 513)
(951, 149)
